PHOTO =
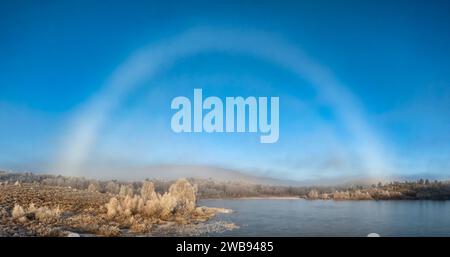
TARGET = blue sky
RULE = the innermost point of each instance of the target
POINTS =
(386, 64)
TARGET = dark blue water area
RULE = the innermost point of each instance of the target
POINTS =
(286, 217)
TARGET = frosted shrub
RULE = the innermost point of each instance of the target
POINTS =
(130, 204)
(18, 213)
(359, 195)
(184, 194)
(140, 205)
(152, 208)
(313, 194)
(126, 206)
(47, 215)
(93, 187)
(341, 195)
(386, 194)
(126, 190)
(112, 187)
(324, 196)
(42, 214)
(180, 200)
(112, 207)
(168, 203)
(148, 191)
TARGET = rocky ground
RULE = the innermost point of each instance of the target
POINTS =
(32, 209)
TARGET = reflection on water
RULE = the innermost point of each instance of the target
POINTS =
(335, 218)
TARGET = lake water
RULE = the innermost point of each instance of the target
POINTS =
(334, 218)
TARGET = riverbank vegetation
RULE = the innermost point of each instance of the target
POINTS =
(41, 205)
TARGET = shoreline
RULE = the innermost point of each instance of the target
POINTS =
(256, 198)
(334, 200)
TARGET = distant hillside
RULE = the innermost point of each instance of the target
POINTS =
(173, 172)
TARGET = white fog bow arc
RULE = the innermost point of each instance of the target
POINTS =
(146, 62)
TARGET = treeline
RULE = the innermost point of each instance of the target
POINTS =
(81, 183)
(208, 188)
(407, 190)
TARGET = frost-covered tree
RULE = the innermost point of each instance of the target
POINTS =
(313, 194)
(112, 187)
(94, 187)
(126, 190)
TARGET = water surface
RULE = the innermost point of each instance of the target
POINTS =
(275, 217)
